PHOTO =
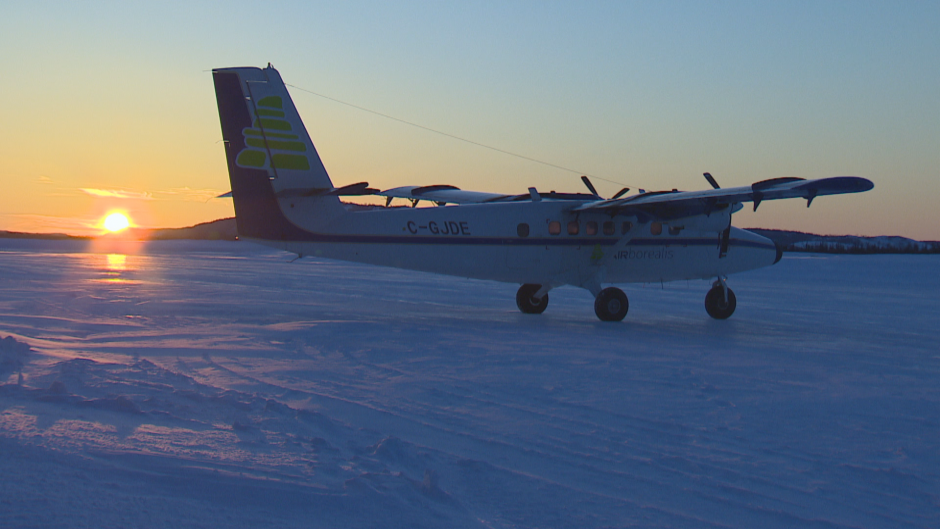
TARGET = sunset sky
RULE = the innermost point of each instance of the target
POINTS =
(110, 106)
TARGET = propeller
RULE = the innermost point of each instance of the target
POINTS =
(590, 186)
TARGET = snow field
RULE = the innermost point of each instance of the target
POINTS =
(216, 384)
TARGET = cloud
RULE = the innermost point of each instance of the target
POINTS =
(194, 195)
(118, 193)
(178, 193)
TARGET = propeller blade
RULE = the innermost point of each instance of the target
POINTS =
(620, 193)
(590, 186)
(711, 180)
(534, 195)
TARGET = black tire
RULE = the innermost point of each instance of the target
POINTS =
(715, 303)
(611, 304)
(527, 303)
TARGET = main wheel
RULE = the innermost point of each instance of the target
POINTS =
(611, 304)
(527, 303)
(716, 306)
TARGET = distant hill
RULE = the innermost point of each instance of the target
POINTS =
(791, 241)
(43, 236)
(217, 230)
(796, 241)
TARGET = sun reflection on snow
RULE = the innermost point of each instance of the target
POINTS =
(115, 268)
(117, 262)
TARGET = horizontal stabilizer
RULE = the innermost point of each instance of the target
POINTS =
(352, 190)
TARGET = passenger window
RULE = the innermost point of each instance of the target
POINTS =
(573, 227)
(625, 227)
(674, 230)
(522, 230)
(656, 228)
(554, 227)
(608, 228)
(590, 228)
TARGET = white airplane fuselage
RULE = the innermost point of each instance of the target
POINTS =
(484, 241)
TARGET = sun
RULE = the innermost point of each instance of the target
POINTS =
(116, 222)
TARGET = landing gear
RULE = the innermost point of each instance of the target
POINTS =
(715, 303)
(525, 299)
(611, 304)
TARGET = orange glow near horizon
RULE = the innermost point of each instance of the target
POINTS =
(110, 115)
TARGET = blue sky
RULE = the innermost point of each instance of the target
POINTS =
(118, 97)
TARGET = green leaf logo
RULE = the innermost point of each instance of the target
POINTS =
(270, 134)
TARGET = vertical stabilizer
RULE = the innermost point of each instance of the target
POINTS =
(268, 151)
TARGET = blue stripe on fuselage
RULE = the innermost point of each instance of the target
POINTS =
(311, 237)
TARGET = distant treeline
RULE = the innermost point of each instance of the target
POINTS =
(217, 230)
(796, 241)
(42, 236)
(791, 241)
(824, 247)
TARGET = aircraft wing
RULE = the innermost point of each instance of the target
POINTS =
(673, 204)
(441, 193)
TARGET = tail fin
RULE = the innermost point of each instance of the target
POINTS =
(268, 150)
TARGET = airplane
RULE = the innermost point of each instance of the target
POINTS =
(285, 199)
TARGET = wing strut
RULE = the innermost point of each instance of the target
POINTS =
(724, 242)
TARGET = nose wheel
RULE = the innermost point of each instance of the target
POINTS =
(611, 304)
(720, 301)
(526, 301)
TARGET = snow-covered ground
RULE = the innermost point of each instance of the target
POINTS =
(216, 384)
